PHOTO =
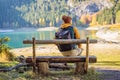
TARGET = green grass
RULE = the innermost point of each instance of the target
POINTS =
(7, 64)
(54, 75)
(107, 58)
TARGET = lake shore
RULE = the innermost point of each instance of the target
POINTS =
(42, 50)
(44, 29)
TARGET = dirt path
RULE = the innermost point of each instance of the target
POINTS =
(108, 74)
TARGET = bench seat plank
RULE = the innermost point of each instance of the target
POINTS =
(62, 59)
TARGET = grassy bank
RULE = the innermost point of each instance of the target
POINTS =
(108, 55)
(54, 75)
(108, 60)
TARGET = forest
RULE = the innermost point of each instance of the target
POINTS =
(45, 13)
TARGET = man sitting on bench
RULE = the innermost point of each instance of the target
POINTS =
(67, 31)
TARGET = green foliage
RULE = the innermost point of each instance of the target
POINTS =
(91, 75)
(4, 40)
(4, 48)
(8, 64)
(42, 13)
(118, 17)
(105, 17)
(37, 13)
(109, 16)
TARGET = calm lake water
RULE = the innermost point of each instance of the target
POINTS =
(17, 37)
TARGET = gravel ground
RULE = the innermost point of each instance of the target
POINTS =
(109, 74)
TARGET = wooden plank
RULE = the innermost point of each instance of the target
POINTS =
(62, 59)
(59, 41)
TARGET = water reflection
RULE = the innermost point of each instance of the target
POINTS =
(18, 37)
(88, 33)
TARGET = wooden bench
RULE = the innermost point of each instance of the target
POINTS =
(42, 62)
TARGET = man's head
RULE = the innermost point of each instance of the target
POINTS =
(66, 19)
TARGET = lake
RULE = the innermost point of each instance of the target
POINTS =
(17, 37)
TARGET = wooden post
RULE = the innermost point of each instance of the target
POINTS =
(34, 55)
(80, 68)
(87, 55)
(43, 68)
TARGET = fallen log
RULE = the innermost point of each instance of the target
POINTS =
(14, 67)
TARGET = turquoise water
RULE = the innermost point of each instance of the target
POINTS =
(17, 37)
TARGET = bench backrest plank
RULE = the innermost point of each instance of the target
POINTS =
(60, 41)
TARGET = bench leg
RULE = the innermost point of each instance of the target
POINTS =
(43, 68)
(80, 68)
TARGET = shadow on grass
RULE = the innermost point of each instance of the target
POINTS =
(107, 74)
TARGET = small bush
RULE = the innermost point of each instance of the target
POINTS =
(10, 56)
(5, 49)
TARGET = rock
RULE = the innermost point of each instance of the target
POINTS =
(89, 7)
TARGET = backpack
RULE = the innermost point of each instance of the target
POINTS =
(65, 33)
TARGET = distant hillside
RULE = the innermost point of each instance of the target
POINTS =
(42, 13)
(87, 10)
(9, 16)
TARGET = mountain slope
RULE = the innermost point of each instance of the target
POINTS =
(42, 13)
(89, 6)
